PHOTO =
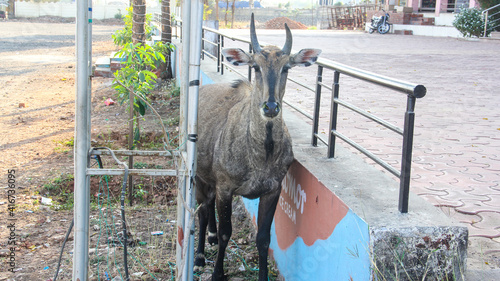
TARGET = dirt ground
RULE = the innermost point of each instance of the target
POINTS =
(37, 101)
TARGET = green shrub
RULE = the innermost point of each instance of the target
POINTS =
(122, 37)
(470, 23)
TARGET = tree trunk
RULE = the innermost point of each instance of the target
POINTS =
(11, 10)
(232, 14)
(225, 14)
(139, 19)
(216, 10)
(166, 38)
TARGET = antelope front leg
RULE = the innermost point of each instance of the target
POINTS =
(224, 209)
(267, 206)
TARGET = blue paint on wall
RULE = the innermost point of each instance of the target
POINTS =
(343, 255)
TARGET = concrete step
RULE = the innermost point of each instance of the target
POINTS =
(103, 72)
(495, 35)
(103, 62)
(484, 275)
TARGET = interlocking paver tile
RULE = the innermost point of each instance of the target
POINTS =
(481, 232)
(489, 220)
(460, 217)
(439, 201)
(494, 202)
(473, 207)
(462, 194)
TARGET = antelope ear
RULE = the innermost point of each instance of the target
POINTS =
(305, 57)
(237, 56)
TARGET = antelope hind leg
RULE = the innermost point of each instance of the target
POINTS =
(267, 206)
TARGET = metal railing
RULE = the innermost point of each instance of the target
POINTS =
(412, 91)
(494, 23)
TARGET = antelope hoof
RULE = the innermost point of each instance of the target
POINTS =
(212, 238)
(197, 269)
(222, 278)
(199, 263)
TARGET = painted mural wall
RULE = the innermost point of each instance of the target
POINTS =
(315, 236)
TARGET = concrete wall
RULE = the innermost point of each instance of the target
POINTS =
(100, 10)
(316, 236)
(304, 16)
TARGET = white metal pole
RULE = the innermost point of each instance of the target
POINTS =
(82, 146)
(194, 84)
(182, 181)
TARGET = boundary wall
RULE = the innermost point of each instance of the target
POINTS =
(68, 9)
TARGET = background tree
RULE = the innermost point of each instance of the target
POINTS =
(232, 14)
(485, 4)
(166, 38)
(139, 19)
(12, 9)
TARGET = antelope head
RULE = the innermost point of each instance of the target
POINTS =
(271, 65)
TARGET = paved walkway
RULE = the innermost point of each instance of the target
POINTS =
(456, 164)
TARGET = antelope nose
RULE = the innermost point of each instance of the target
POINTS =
(271, 109)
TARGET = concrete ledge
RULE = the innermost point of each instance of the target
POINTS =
(438, 253)
(423, 242)
(429, 30)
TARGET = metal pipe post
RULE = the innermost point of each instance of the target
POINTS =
(82, 145)
(194, 84)
(333, 115)
(222, 57)
(485, 23)
(404, 181)
(218, 53)
(181, 194)
(317, 102)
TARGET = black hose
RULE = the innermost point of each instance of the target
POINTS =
(62, 248)
(122, 207)
(124, 225)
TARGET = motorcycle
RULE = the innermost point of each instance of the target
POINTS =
(381, 24)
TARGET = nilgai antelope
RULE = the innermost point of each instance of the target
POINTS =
(244, 146)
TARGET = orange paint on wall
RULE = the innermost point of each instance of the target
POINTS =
(302, 206)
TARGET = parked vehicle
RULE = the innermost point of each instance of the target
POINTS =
(381, 24)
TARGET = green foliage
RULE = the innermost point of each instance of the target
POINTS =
(59, 189)
(63, 146)
(137, 76)
(206, 11)
(122, 37)
(163, 48)
(140, 193)
(470, 23)
(485, 4)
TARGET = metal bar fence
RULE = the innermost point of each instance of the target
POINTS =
(412, 91)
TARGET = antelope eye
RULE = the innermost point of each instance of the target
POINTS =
(285, 69)
(256, 68)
